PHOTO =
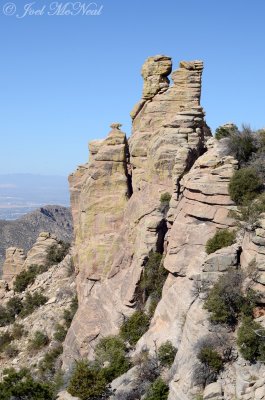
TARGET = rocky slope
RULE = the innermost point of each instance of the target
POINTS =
(56, 285)
(23, 232)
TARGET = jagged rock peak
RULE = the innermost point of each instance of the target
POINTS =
(155, 71)
(186, 80)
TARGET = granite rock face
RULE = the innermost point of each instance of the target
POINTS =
(202, 209)
(119, 219)
(99, 193)
(13, 264)
(117, 213)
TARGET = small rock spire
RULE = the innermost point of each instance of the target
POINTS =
(116, 125)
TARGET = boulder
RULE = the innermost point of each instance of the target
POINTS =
(221, 260)
(213, 391)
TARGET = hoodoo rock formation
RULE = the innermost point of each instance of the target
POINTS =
(115, 198)
(120, 218)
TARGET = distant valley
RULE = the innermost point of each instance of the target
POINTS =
(23, 193)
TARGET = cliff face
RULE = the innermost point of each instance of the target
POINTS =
(203, 207)
(115, 198)
(119, 219)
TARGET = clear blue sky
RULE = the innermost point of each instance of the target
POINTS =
(64, 79)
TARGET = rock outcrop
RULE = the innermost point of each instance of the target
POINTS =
(118, 218)
(38, 252)
(13, 265)
(16, 260)
(202, 209)
(23, 232)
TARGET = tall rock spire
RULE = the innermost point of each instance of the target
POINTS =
(115, 198)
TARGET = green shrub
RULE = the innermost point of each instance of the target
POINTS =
(18, 331)
(222, 238)
(226, 300)
(244, 185)
(60, 333)
(250, 212)
(134, 327)
(47, 365)
(258, 164)
(5, 319)
(14, 307)
(26, 278)
(21, 386)
(243, 144)
(69, 314)
(148, 367)
(157, 391)
(152, 280)
(10, 311)
(250, 340)
(165, 198)
(166, 354)
(57, 253)
(199, 397)
(211, 359)
(225, 131)
(32, 302)
(87, 382)
(38, 341)
(261, 139)
(112, 350)
(5, 339)
(11, 351)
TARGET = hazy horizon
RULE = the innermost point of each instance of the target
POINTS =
(24, 192)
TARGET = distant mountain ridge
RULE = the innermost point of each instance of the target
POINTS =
(24, 231)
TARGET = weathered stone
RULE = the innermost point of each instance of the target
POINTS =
(221, 260)
(115, 230)
(155, 71)
(13, 264)
(260, 393)
(66, 396)
(38, 253)
(213, 391)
